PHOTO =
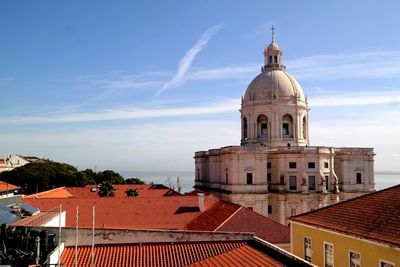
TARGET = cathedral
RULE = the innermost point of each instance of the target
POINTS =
(275, 171)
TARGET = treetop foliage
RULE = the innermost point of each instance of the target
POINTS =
(37, 177)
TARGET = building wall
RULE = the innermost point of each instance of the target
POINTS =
(274, 114)
(334, 169)
(371, 252)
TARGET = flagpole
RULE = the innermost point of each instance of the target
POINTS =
(93, 220)
(59, 236)
(76, 237)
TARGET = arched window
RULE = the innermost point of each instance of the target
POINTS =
(304, 128)
(244, 128)
(287, 126)
(262, 126)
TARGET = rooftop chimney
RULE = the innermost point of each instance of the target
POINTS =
(201, 201)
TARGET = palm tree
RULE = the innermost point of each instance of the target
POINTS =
(106, 190)
(132, 192)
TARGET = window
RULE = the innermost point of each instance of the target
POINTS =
(327, 182)
(276, 58)
(269, 177)
(383, 263)
(287, 126)
(358, 178)
(270, 59)
(354, 259)
(269, 165)
(307, 249)
(285, 129)
(311, 165)
(264, 129)
(198, 174)
(269, 209)
(292, 183)
(326, 165)
(249, 177)
(292, 165)
(226, 178)
(311, 183)
(328, 254)
(244, 128)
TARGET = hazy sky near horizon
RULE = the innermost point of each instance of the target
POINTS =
(142, 85)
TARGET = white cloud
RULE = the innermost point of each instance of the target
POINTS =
(128, 113)
(318, 67)
(117, 79)
(355, 99)
(224, 73)
(188, 58)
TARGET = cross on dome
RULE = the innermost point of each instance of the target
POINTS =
(273, 33)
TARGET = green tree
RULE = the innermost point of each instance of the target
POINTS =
(132, 192)
(106, 190)
(134, 181)
(37, 177)
(110, 177)
(89, 176)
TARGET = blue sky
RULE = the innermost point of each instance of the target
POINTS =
(142, 85)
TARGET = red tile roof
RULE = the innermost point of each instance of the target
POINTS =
(144, 191)
(242, 256)
(6, 186)
(86, 192)
(374, 216)
(173, 212)
(180, 254)
(214, 217)
(245, 220)
(59, 192)
(229, 217)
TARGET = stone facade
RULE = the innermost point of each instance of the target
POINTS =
(275, 168)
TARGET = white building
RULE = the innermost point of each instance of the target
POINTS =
(275, 171)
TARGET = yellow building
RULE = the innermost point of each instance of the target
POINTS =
(364, 231)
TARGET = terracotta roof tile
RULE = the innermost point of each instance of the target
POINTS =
(245, 220)
(374, 216)
(130, 213)
(86, 192)
(214, 217)
(60, 192)
(242, 256)
(181, 254)
(6, 186)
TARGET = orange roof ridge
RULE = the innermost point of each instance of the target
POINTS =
(52, 193)
(7, 186)
(227, 219)
(213, 217)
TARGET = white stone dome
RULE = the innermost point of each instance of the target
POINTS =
(273, 47)
(273, 86)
